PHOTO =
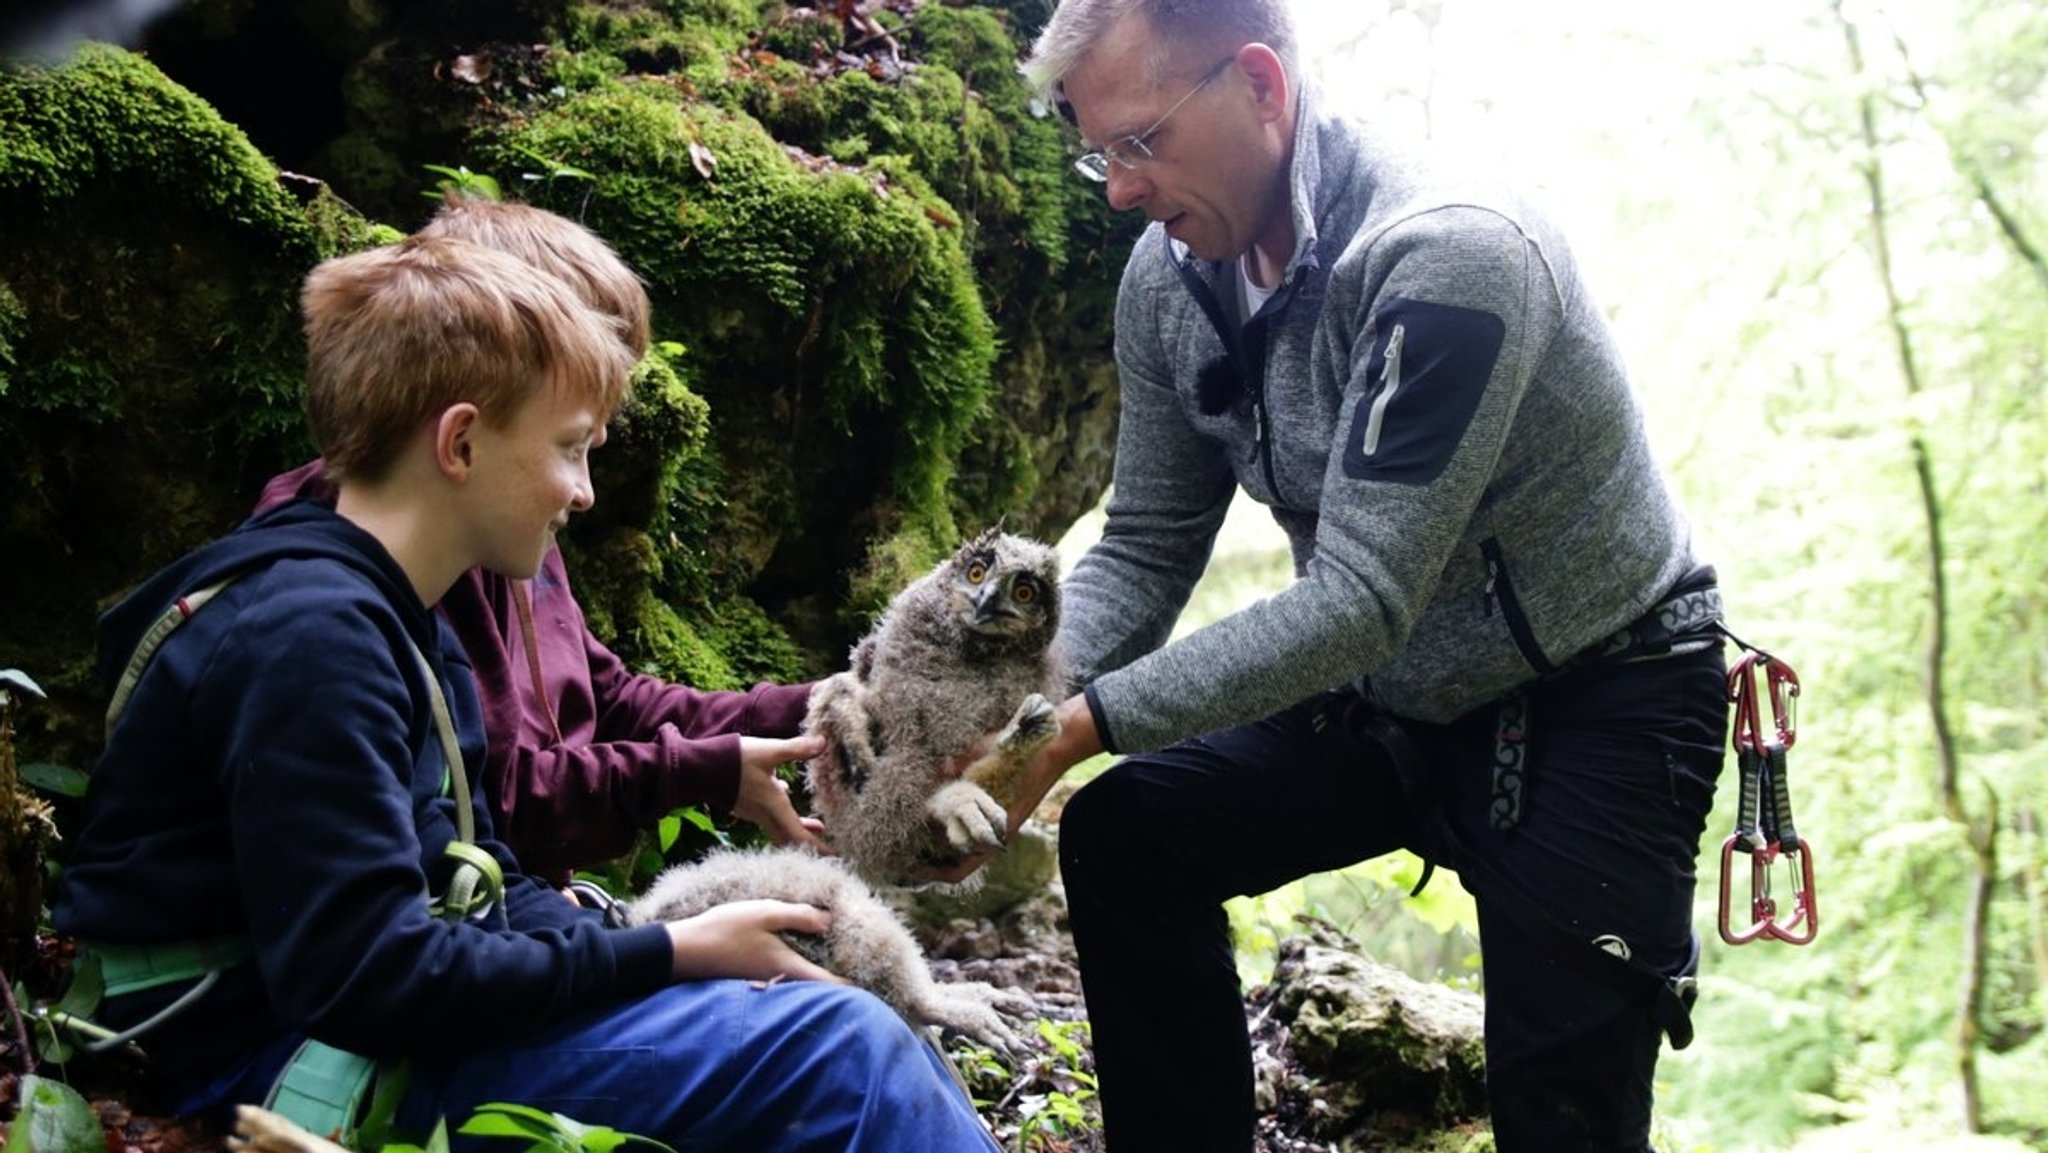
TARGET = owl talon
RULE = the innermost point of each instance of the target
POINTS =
(972, 819)
(1034, 726)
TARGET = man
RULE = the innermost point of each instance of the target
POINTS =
(1500, 650)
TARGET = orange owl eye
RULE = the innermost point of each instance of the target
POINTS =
(1024, 593)
(977, 573)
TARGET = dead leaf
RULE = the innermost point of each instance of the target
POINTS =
(472, 69)
(702, 159)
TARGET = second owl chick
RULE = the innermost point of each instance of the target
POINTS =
(867, 943)
(959, 654)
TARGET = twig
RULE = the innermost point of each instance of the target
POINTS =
(261, 1131)
(28, 1051)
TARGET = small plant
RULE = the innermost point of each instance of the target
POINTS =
(54, 1118)
(548, 1132)
(1064, 1104)
(460, 181)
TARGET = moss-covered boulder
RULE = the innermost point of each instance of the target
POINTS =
(149, 348)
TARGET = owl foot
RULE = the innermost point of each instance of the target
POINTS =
(972, 820)
(970, 1008)
(1032, 728)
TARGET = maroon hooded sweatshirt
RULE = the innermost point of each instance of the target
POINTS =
(583, 752)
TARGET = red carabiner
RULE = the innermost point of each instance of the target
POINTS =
(1762, 912)
(1784, 691)
(1800, 924)
(1782, 686)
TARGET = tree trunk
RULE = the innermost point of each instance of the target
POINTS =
(1981, 834)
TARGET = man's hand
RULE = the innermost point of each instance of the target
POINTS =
(742, 940)
(763, 797)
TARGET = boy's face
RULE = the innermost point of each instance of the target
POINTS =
(529, 476)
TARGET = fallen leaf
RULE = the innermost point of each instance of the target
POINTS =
(702, 159)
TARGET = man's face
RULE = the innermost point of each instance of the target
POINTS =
(529, 476)
(1204, 177)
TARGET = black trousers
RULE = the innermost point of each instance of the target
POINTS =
(1622, 762)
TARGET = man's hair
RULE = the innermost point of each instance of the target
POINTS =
(395, 335)
(1214, 26)
(554, 244)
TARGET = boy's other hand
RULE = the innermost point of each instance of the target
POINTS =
(743, 939)
(763, 797)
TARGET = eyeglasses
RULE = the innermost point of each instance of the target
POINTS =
(1133, 150)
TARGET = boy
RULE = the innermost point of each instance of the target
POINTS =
(273, 793)
(581, 752)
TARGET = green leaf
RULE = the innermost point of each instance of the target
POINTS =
(667, 830)
(484, 1124)
(83, 995)
(437, 1142)
(61, 780)
(54, 1119)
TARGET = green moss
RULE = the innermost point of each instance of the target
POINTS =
(751, 645)
(847, 292)
(675, 651)
(893, 562)
(109, 120)
(151, 258)
(101, 162)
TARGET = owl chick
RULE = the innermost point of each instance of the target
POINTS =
(867, 944)
(961, 653)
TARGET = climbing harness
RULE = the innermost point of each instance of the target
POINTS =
(1763, 822)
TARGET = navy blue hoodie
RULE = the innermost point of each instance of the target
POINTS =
(277, 776)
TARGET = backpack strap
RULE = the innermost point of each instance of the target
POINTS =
(153, 639)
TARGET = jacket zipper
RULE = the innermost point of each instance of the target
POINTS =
(1390, 383)
(1500, 594)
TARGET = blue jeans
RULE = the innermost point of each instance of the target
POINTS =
(794, 1067)
(720, 1065)
(1622, 762)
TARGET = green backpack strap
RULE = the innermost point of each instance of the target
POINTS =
(152, 640)
(478, 883)
(336, 1094)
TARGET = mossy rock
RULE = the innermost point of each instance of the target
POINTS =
(149, 332)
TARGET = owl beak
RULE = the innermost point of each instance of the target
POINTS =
(987, 609)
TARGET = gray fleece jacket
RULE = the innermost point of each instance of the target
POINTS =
(1434, 410)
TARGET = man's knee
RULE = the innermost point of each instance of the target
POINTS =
(1102, 826)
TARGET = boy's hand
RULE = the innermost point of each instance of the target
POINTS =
(763, 797)
(742, 940)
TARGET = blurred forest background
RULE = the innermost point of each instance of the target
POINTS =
(1819, 228)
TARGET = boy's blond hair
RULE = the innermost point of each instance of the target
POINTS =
(554, 244)
(397, 334)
